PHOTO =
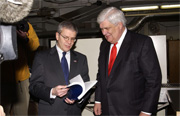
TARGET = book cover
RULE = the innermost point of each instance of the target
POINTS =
(78, 88)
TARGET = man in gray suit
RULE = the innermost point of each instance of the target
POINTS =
(131, 85)
(48, 81)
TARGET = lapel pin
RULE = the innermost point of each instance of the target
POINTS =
(75, 60)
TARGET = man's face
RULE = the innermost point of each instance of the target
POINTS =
(111, 32)
(65, 39)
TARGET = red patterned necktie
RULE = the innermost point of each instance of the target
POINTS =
(112, 58)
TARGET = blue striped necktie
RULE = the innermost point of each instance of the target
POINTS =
(64, 65)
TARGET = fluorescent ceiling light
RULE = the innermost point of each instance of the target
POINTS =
(170, 6)
(140, 8)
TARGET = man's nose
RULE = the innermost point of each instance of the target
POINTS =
(69, 41)
(104, 32)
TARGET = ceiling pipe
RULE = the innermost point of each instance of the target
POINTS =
(134, 25)
(60, 1)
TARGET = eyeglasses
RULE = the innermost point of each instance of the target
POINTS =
(67, 38)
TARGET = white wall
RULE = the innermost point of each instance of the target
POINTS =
(161, 50)
(90, 47)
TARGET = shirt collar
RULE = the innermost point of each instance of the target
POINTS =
(122, 36)
(60, 51)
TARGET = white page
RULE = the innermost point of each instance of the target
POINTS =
(88, 86)
(77, 80)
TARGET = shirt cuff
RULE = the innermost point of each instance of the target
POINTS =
(51, 95)
(97, 102)
(146, 113)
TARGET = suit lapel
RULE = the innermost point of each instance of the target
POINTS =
(107, 60)
(73, 64)
(56, 64)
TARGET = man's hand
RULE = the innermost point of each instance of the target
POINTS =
(68, 101)
(2, 111)
(97, 109)
(143, 114)
(60, 90)
(22, 35)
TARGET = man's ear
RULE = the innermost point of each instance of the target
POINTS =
(57, 36)
(120, 25)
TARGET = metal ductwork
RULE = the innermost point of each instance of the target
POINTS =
(138, 22)
(87, 16)
(60, 1)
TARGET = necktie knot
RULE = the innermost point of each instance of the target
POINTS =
(64, 53)
(115, 44)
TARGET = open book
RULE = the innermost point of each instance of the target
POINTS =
(78, 88)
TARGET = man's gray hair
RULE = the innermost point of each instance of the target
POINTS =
(113, 15)
(67, 25)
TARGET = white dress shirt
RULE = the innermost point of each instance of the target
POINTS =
(118, 45)
(68, 61)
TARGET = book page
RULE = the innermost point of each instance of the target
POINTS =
(76, 86)
(77, 80)
(88, 86)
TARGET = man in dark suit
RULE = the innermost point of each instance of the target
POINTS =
(130, 84)
(48, 81)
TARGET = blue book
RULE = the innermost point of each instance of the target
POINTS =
(78, 88)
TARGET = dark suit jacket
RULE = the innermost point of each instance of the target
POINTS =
(135, 80)
(47, 73)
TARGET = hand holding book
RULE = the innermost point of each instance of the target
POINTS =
(60, 90)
